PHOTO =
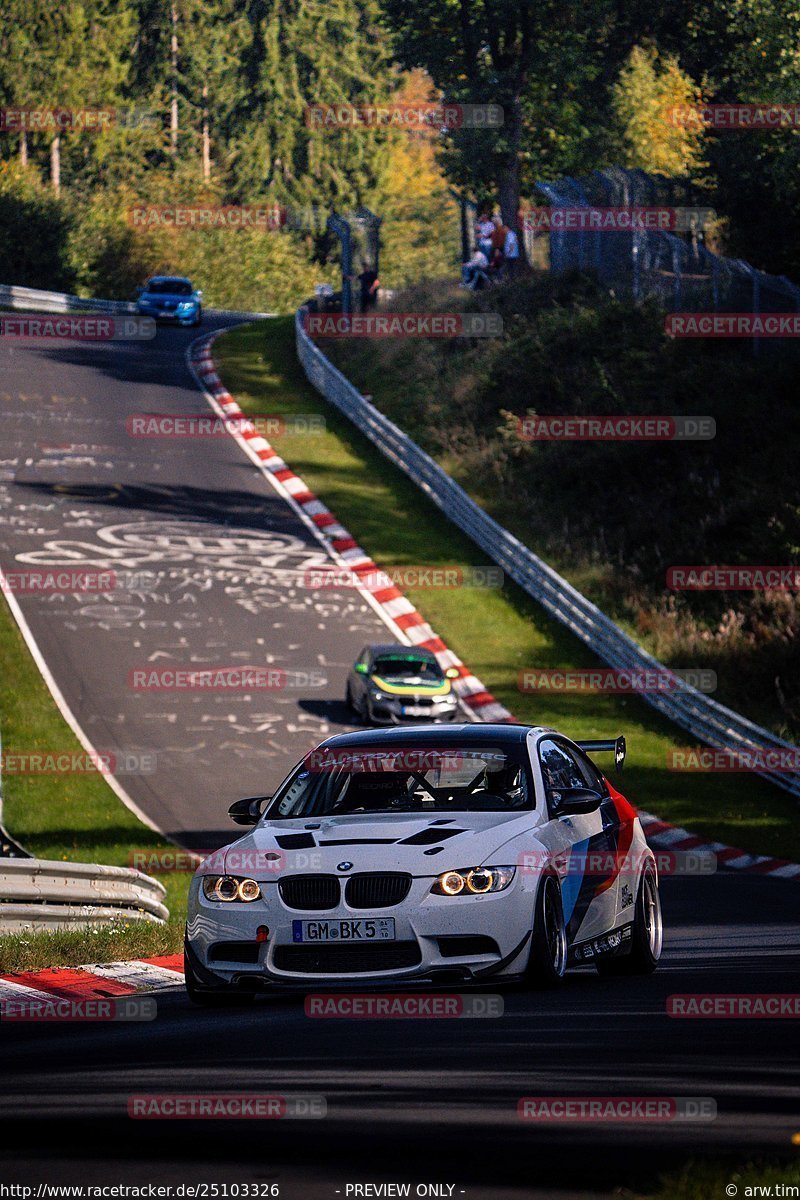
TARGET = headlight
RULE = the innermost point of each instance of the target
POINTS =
(475, 880)
(381, 696)
(230, 887)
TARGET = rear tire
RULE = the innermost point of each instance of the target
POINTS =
(646, 936)
(547, 962)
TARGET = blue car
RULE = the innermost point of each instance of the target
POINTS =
(170, 298)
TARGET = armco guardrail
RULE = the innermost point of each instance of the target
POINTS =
(705, 719)
(32, 298)
(8, 847)
(36, 894)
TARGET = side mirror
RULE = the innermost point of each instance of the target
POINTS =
(567, 801)
(199, 294)
(361, 669)
(452, 673)
(248, 811)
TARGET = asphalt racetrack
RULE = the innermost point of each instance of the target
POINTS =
(426, 1101)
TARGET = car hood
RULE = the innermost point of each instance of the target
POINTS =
(166, 298)
(383, 842)
(414, 687)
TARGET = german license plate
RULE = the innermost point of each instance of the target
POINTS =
(415, 710)
(366, 929)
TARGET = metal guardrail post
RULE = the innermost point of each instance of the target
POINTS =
(341, 228)
(464, 207)
(372, 223)
(677, 280)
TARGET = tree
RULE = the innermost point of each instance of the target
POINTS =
(649, 87)
(304, 53)
(77, 60)
(490, 52)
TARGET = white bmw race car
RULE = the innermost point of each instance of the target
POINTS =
(436, 855)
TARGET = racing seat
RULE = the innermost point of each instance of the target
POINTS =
(374, 792)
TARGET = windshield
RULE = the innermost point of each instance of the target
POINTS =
(169, 287)
(369, 780)
(400, 669)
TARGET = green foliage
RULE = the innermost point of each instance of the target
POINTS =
(34, 232)
(588, 507)
(649, 87)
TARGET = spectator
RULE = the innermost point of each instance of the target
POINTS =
(474, 271)
(511, 253)
(499, 232)
(496, 262)
(484, 231)
(369, 283)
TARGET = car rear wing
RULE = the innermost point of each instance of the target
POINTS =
(618, 746)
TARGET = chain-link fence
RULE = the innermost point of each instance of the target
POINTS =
(673, 267)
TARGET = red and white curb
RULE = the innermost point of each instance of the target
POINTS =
(96, 981)
(400, 614)
(671, 837)
(396, 609)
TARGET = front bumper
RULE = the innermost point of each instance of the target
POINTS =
(441, 939)
(171, 316)
(392, 711)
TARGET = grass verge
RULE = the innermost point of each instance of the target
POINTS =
(74, 818)
(497, 632)
(701, 1180)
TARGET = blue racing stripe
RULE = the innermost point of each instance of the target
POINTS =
(571, 884)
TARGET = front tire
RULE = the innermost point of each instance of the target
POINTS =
(547, 962)
(647, 934)
(358, 716)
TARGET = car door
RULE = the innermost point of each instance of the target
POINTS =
(579, 840)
